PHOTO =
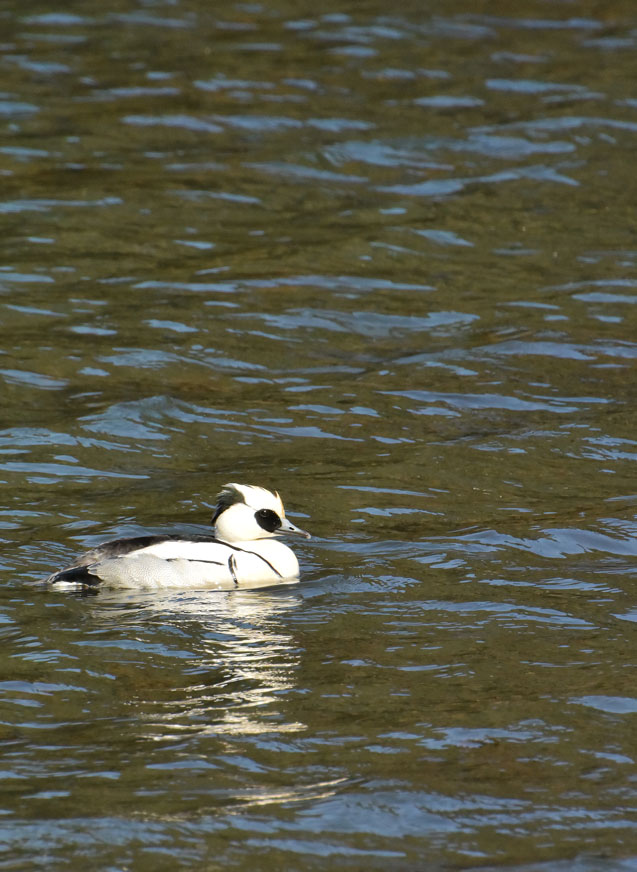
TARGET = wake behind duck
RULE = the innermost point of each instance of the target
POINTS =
(242, 551)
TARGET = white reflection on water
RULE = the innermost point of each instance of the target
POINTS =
(241, 657)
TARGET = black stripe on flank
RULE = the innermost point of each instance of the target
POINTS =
(232, 565)
(247, 551)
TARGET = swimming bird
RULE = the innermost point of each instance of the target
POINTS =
(241, 552)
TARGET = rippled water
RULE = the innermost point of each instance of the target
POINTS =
(383, 260)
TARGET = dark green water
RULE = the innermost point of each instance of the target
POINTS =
(382, 259)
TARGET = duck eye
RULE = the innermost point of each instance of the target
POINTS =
(268, 520)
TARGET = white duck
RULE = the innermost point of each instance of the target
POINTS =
(242, 552)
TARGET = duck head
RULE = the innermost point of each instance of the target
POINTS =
(245, 512)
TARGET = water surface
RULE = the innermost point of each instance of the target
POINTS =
(384, 261)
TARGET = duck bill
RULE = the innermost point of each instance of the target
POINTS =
(288, 527)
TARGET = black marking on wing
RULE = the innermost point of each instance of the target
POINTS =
(79, 571)
(232, 565)
(121, 547)
(76, 575)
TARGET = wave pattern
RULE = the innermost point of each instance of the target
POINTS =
(384, 261)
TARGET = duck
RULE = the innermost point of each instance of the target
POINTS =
(241, 552)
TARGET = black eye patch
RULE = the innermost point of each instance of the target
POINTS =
(268, 520)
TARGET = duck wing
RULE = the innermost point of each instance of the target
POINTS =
(149, 571)
(83, 569)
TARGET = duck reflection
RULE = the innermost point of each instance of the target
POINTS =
(209, 663)
(199, 697)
